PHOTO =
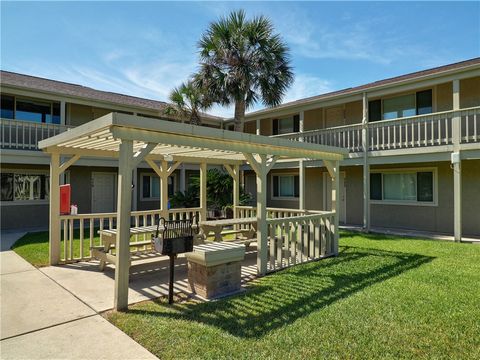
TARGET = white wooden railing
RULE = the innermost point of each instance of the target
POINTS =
(470, 125)
(298, 239)
(348, 136)
(80, 232)
(25, 135)
(408, 132)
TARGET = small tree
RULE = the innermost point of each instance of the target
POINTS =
(188, 102)
(219, 192)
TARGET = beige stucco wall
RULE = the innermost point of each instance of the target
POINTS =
(250, 127)
(436, 218)
(444, 97)
(334, 116)
(80, 114)
(353, 112)
(266, 127)
(313, 119)
(470, 92)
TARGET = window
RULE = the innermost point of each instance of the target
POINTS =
(402, 186)
(419, 103)
(399, 106)
(8, 105)
(30, 110)
(286, 125)
(375, 110)
(424, 102)
(151, 187)
(286, 186)
(23, 187)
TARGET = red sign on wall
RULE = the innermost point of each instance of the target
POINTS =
(65, 192)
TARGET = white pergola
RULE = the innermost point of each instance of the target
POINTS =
(164, 145)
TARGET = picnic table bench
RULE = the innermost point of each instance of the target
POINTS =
(108, 240)
(217, 226)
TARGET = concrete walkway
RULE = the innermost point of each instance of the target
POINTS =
(42, 320)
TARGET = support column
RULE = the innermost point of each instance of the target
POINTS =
(457, 163)
(301, 123)
(257, 131)
(301, 176)
(236, 189)
(203, 191)
(123, 225)
(63, 119)
(182, 179)
(54, 225)
(164, 189)
(262, 230)
(366, 167)
(134, 189)
(261, 165)
(336, 205)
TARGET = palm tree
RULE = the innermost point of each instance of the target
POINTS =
(241, 62)
(188, 102)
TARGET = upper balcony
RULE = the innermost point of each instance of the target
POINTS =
(25, 135)
(403, 133)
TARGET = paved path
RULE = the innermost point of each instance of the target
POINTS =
(42, 320)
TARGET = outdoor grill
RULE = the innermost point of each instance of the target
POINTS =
(174, 237)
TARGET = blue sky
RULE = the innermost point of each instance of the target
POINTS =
(146, 48)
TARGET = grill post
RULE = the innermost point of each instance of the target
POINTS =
(170, 285)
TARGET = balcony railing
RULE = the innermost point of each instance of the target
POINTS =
(25, 135)
(409, 132)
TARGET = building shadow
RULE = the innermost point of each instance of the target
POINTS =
(280, 299)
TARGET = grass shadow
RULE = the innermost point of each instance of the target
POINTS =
(286, 296)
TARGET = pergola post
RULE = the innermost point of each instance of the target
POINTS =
(123, 224)
(203, 191)
(164, 189)
(56, 169)
(334, 171)
(261, 165)
(54, 227)
(234, 172)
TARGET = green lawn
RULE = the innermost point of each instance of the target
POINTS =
(382, 297)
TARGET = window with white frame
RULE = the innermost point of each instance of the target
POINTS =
(24, 186)
(285, 186)
(403, 186)
(151, 186)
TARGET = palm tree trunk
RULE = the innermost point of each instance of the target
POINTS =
(239, 116)
(195, 118)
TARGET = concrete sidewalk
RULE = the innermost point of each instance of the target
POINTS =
(42, 320)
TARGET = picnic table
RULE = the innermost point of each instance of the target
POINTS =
(216, 226)
(108, 238)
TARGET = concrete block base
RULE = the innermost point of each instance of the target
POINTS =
(214, 281)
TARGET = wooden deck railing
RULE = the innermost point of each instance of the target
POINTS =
(408, 132)
(25, 135)
(298, 239)
(80, 232)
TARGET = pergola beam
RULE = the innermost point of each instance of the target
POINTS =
(68, 163)
(183, 140)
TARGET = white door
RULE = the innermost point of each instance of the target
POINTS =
(103, 192)
(327, 195)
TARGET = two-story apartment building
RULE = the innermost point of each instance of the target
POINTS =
(414, 143)
(33, 109)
